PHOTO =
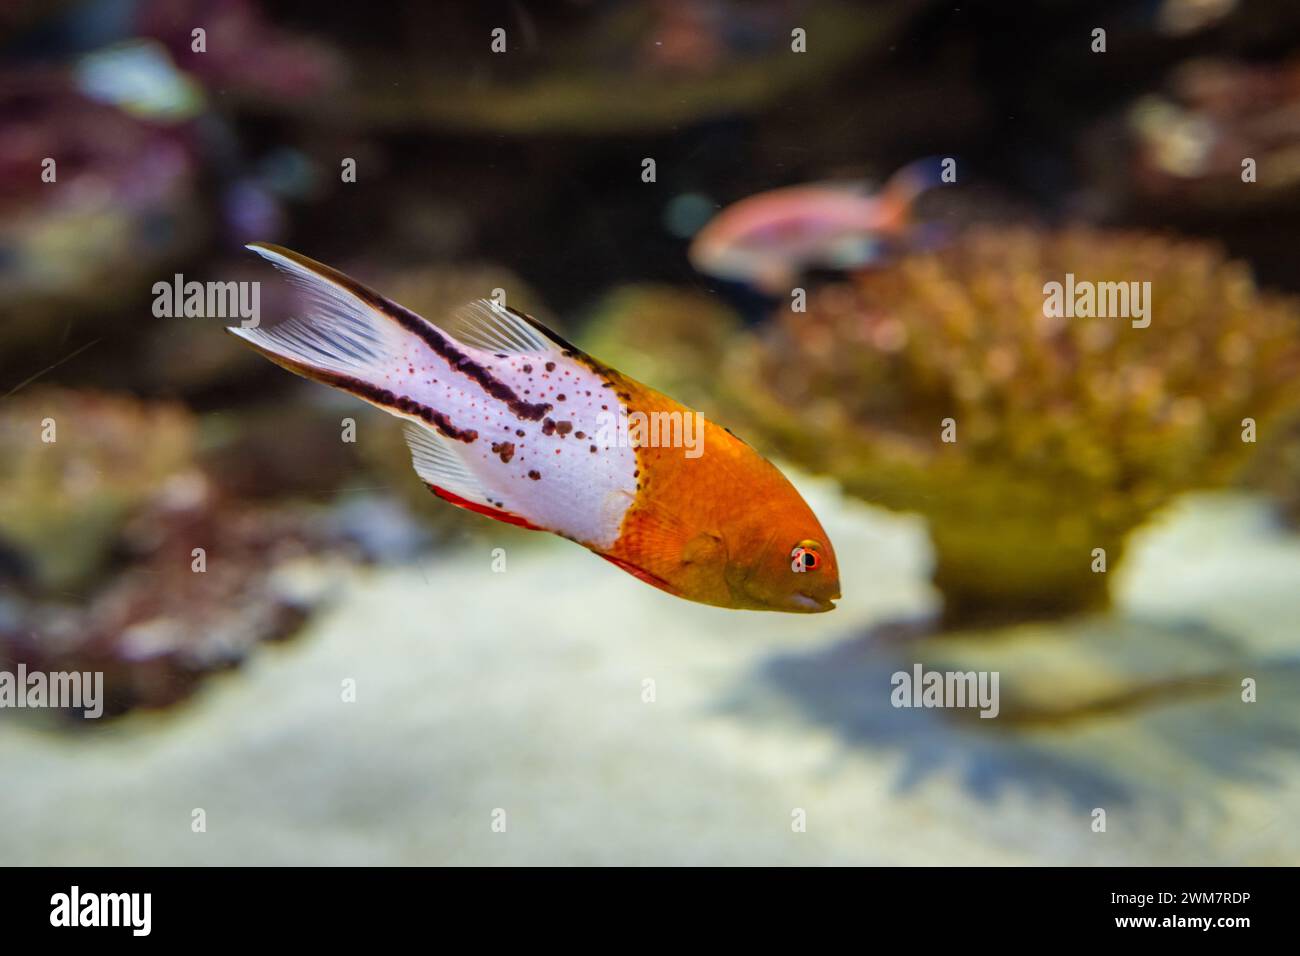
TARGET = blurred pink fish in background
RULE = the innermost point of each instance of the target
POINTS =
(768, 240)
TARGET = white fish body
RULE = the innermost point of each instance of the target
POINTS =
(504, 417)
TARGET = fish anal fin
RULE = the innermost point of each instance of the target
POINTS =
(509, 517)
(442, 466)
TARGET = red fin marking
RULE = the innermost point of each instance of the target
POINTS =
(506, 516)
(642, 575)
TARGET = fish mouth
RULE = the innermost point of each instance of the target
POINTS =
(806, 602)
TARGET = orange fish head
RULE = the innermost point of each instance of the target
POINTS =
(793, 569)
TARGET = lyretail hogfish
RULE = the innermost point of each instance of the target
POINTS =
(509, 420)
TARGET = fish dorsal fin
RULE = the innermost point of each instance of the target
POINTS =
(488, 325)
(485, 324)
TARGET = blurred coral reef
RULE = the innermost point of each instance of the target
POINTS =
(74, 465)
(628, 67)
(109, 524)
(170, 503)
(1067, 432)
(1192, 144)
(678, 339)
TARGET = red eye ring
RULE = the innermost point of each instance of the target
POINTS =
(804, 556)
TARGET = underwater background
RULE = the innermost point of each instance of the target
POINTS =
(357, 672)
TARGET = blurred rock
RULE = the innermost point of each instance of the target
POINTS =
(173, 613)
(290, 448)
(63, 501)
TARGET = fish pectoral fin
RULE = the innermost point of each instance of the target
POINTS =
(666, 546)
(703, 548)
(438, 461)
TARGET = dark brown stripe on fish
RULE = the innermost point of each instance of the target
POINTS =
(460, 362)
(374, 394)
(407, 406)
(414, 324)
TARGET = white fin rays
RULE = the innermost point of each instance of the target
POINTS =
(438, 463)
(486, 325)
(340, 333)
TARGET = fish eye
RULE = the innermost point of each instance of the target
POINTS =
(805, 556)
